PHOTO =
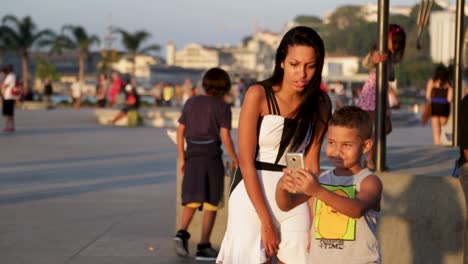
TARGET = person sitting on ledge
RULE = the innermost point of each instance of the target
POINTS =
(132, 102)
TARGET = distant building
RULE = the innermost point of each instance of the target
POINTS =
(254, 58)
(143, 64)
(344, 69)
(338, 65)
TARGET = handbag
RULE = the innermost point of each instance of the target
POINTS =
(426, 113)
(15, 91)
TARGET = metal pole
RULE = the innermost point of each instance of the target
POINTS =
(382, 86)
(458, 70)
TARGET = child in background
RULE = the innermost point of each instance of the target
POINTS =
(205, 123)
(346, 199)
(367, 97)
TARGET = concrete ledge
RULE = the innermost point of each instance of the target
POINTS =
(162, 117)
(29, 105)
(422, 219)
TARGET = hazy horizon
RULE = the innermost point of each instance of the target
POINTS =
(208, 22)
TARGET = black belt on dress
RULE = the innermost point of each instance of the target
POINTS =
(268, 166)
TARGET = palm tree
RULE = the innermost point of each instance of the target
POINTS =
(79, 40)
(21, 36)
(132, 43)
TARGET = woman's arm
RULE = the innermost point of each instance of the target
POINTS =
(429, 90)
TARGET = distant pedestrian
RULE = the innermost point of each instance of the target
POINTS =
(102, 90)
(132, 101)
(439, 96)
(76, 88)
(187, 88)
(367, 97)
(9, 96)
(205, 124)
(335, 100)
(241, 88)
(114, 89)
(48, 92)
(168, 94)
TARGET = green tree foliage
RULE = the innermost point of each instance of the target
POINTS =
(310, 21)
(21, 35)
(75, 38)
(132, 43)
(108, 57)
(46, 70)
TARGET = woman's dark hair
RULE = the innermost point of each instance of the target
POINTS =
(8, 68)
(216, 82)
(441, 73)
(308, 112)
(398, 37)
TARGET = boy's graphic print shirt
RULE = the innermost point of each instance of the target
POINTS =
(337, 238)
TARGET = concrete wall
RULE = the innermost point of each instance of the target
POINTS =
(422, 219)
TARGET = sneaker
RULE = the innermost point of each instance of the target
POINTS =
(181, 243)
(206, 253)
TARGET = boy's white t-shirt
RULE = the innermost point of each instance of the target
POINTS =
(337, 238)
(10, 81)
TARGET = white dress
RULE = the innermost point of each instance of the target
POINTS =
(242, 240)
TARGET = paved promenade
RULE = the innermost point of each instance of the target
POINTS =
(72, 191)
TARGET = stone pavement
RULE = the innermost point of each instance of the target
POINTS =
(72, 191)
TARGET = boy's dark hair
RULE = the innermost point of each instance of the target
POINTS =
(353, 117)
(216, 82)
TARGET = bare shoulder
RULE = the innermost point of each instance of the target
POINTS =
(255, 92)
(372, 182)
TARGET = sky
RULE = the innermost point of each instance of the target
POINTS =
(208, 22)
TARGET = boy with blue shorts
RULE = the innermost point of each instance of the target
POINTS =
(204, 125)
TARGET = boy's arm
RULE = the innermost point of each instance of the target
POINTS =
(367, 198)
(227, 142)
(181, 146)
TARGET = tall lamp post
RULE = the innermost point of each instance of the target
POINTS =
(382, 86)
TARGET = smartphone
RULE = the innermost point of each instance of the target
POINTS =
(295, 161)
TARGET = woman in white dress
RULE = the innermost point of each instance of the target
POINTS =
(286, 113)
